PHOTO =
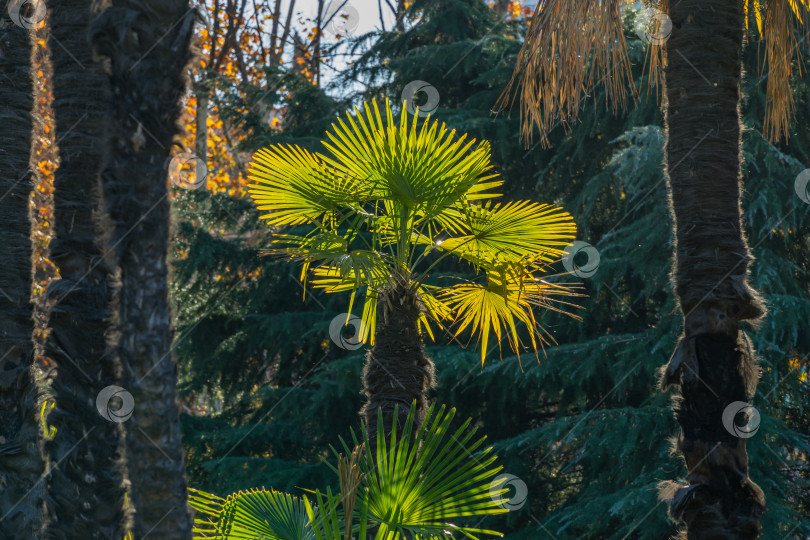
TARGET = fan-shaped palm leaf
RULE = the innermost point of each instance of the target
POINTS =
(419, 482)
(421, 479)
(297, 187)
(424, 170)
(388, 187)
(250, 515)
(504, 302)
(513, 232)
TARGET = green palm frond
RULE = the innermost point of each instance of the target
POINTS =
(392, 195)
(435, 309)
(506, 302)
(313, 247)
(419, 481)
(513, 232)
(250, 515)
(297, 187)
(352, 270)
(423, 170)
(416, 486)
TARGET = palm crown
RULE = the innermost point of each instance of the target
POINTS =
(393, 199)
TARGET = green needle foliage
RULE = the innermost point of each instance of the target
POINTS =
(586, 429)
(391, 201)
(416, 490)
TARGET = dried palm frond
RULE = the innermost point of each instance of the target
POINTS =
(656, 59)
(782, 17)
(571, 46)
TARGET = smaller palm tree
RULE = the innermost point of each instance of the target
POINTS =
(381, 213)
(407, 490)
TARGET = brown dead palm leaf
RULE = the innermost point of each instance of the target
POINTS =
(782, 19)
(574, 45)
(571, 46)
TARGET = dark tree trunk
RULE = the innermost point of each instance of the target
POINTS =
(86, 490)
(714, 362)
(146, 45)
(397, 371)
(20, 461)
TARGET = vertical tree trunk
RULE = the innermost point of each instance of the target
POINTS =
(714, 361)
(20, 462)
(276, 54)
(86, 483)
(397, 371)
(146, 43)
(316, 44)
(201, 122)
(400, 16)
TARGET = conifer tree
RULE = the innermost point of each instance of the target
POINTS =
(582, 428)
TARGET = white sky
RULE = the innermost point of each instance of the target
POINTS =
(368, 14)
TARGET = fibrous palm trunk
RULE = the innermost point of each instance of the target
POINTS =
(713, 363)
(20, 462)
(85, 493)
(397, 370)
(145, 45)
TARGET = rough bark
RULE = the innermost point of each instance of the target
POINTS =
(397, 371)
(146, 45)
(714, 362)
(86, 490)
(20, 461)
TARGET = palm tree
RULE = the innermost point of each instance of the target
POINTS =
(145, 48)
(416, 492)
(389, 203)
(20, 462)
(85, 488)
(573, 45)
